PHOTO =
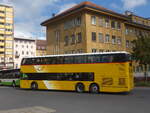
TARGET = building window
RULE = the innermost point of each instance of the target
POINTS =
(119, 40)
(66, 41)
(1, 46)
(118, 25)
(16, 66)
(94, 50)
(80, 51)
(2, 11)
(101, 50)
(127, 31)
(94, 36)
(127, 43)
(72, 23)
(107, 38)
(107, 22)
(113, 39)
(2, 41)
(113, 24)
(16, 53)
(79, 38)
(2, 35)
(78, 21)
(93, 20)
(100, 36)
(22, 52)
(107, 50)
(73, 39)
(1, 23)
(100, 21)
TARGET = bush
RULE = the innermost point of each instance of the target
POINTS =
(142, 83)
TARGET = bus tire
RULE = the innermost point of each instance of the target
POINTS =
(80, 87)
(34, 86)
(94, 88)
(13, 84)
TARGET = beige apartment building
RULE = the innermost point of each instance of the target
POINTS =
(41, 47)
(87, 28)
(6, 36)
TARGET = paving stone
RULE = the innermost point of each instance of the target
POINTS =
(36, 109)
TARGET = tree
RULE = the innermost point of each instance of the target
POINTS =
(141, 52)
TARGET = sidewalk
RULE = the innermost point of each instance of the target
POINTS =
(37, 109)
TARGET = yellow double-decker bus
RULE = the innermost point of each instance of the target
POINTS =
(93, 72)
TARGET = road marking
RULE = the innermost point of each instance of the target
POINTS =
(36, 109)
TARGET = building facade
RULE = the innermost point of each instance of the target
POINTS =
(6, 37)
(87, 28)
(41, 47)
(23, 47)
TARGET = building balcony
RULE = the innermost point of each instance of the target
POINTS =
(9, 27)
(8, 32)
(2, 14)
(1, 26)
(1, 49)
(1, 38)
(2, 20)
(2, 44)
(2, 32)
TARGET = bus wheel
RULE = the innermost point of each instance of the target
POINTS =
(13, 84)
(80, 87)
(94, 88)
(34, 86)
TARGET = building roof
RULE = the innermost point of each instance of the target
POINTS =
(83, 5)
(138, 25)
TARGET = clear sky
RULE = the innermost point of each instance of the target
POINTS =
(30, 13)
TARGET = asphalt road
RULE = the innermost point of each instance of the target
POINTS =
(138, 101)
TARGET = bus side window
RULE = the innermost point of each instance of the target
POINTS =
(90, 59)
(105, 58)
(119, 58)
(43, 60)
(58, 60)
(98, 58)
(49, 59)
(38, 61)
(71, 59)
(34, 61)
(66, 60)
(62, 60)
(83, 59)
(77, 59)
(23, 61)
(53, 60)
(28, 61)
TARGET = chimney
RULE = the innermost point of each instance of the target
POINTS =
(53, 14)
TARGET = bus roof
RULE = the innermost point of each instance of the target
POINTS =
(118, 52)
